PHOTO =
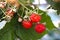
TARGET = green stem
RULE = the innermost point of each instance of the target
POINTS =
(2, 11)
(18, 14)
(2, 19)
(22, 13)
(24, 6)
(37, 10)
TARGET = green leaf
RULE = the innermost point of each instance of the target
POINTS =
(47, 20)
(8, 32)
(7, 36)
(55, 5)
(25, 34)
(30, 34)
(15, 29)
(58, 12)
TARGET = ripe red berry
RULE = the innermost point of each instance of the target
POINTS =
(39, 28)
(35, 17)
(26, 24)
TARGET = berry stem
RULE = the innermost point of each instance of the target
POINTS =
(22, 13)
(18, 14)
(2, 19)
(2, 11)
(24, 6)
(37, 10)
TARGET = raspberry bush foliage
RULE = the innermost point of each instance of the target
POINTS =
(55, 4)
(23, 21)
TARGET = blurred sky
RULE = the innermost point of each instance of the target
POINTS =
(41, 2)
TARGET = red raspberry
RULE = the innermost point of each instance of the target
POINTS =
(39, 28)
(27, 24)
(35, 17)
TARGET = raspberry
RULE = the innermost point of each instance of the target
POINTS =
(27, 24)
(35, 17)
(9, 12)
(40, 28)
(2, 4)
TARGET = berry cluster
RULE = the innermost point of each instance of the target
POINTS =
(34, 18)
(10, 11)
(9, 14)
(27, 24)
